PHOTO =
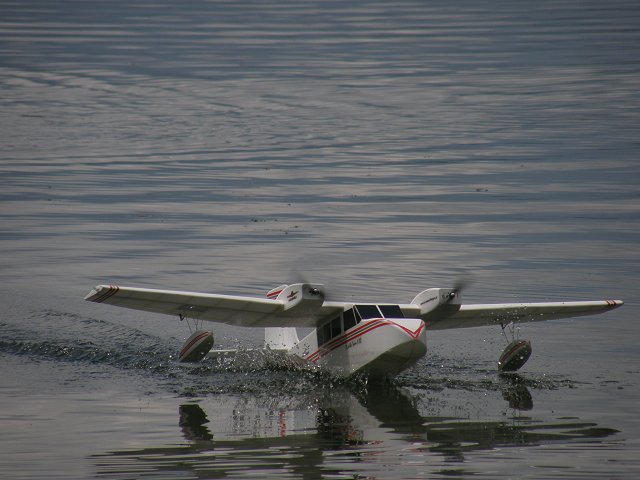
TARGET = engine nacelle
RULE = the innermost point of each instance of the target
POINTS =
(302, 296)
(437, 303)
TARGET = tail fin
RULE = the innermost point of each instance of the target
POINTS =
(280, 338)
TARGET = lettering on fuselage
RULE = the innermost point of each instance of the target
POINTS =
(353, 343)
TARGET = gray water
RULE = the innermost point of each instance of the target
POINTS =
(377, 147)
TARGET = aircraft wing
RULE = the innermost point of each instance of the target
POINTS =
(297, 307)
(229, 309)
(503, 313)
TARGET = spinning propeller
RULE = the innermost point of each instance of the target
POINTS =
(320, 292)
(317, 291)
(458, 286)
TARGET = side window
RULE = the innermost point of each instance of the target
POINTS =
(320, 335)
(326, 332)
(349, 319)
(336, 327)
(329, 330)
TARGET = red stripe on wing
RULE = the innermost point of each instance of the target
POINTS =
(99, 298)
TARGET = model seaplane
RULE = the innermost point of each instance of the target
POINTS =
(379, 340)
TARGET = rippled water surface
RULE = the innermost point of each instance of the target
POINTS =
(377, 147)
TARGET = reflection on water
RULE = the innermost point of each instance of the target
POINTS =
(516, 392)
(193, 422)
(330, 433)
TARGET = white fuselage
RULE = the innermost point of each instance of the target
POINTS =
(377, 347)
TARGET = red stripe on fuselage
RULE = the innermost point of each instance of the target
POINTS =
(341, 340)
(359, 332)
(346, 337)
(409, 332)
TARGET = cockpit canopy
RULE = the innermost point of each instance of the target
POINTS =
(353, 316)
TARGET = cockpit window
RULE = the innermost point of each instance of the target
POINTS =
(368, 311)
(391, 311)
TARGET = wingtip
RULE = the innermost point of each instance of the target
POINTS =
(101, 292)
(94, 291)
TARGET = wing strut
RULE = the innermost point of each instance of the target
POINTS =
(194, 324)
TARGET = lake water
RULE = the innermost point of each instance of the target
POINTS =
(377, 147)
